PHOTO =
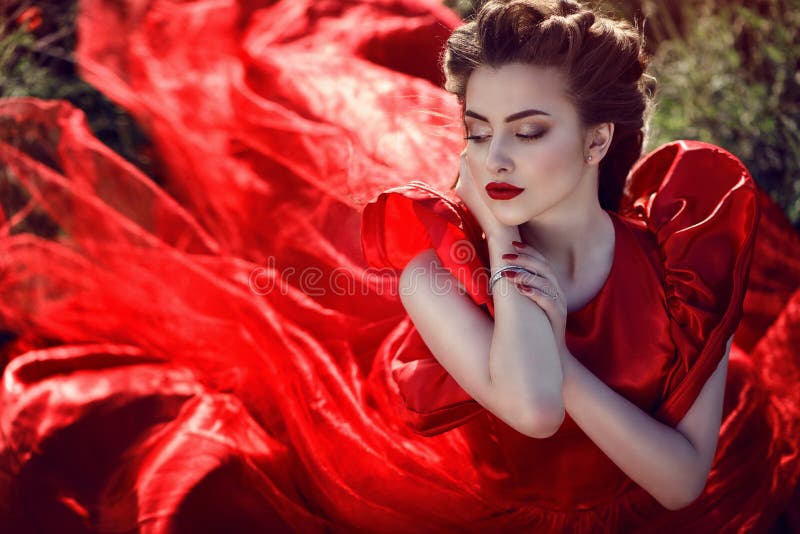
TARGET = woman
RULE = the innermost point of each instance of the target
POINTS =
(592, 390)
(215, 355)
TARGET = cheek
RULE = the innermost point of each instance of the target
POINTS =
(474, 167)
(553, 169)
(558, 158)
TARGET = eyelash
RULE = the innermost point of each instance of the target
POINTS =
(480, 138)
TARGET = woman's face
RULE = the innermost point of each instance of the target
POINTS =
(542, 152)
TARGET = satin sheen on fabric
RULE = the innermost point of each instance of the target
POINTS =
(225, 351)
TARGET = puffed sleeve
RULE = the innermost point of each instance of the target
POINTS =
(395, 226)
(701, 204)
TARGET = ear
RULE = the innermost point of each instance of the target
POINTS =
(598, 139)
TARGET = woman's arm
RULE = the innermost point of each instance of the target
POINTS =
(672, 464)
(523, 357)
(519, 386)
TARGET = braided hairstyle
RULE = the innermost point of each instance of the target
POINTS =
(603, 58)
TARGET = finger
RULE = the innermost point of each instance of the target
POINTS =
(532, 264)
(537, 282)
(523, 278)
(548, 304)
(548, 284)
(531, 253)
(528, 249)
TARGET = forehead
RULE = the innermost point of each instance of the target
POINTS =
(498, 92)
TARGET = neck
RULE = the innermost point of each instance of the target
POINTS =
(570, 235)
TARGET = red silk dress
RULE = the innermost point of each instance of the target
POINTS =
(654, 333)
(210, 348)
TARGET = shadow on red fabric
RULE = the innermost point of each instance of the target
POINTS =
(227, 352)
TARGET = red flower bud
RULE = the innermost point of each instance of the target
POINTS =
(31, 18)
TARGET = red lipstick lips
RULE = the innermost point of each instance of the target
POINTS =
(499, 191)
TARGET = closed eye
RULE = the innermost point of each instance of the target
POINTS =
(482, 138)
(534, 136)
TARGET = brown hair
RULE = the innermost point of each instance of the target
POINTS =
(604, 60)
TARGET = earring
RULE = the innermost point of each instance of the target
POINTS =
(589, 157)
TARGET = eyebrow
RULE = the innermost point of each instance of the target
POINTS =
(511, 118)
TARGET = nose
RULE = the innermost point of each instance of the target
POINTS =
(497, 159)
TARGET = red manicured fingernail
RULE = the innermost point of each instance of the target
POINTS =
(517, 244)
(510, 274)
(510, 256)
(526, 289)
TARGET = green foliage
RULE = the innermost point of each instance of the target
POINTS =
(36, 59)
(463, 8)
(733, 81)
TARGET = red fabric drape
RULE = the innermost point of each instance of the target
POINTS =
(216, 352)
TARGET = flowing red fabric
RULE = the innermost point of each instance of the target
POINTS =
(226, 351)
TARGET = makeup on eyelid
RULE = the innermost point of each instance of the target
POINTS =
(523, 136)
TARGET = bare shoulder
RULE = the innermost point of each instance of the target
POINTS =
(422, 265)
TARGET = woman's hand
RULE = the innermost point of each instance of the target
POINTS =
(467, 190)
(540, 288)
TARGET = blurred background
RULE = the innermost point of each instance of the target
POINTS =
(727, 72)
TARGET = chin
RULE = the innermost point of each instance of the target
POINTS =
(509, 218)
